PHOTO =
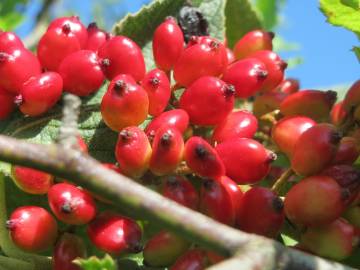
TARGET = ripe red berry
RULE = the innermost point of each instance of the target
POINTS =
(124, 104)
(238, 124)
(205, 57)
(233, 190)
(315, 104)
(9, 42)
(267, 102)
(16, 68)
(30, 180)
(352, 98)
(133, 152)
(68, 248)
(288, 86)
(338, 113)
(168, 148)
(347, 152)
(315, 149)
(32, 228)
(247, 76)
(168, 44)
(96, 37)
(246, 161)
(288, 130)
(261, 212)
(230, 56)
(195, 259)
(121, 55)
(82, 144)
(314, 201)
(208, 100)
(157, 86)
(115, 234)
(40, 93)
(163, 249)
(253, 41)
(202, 158)
(275, 67)
(7, 104)
(180, 190)
(71, 204)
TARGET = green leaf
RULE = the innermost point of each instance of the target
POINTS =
(356, 50)
(214, 12)
(342, 13)
(94, 263)
(288, 241)
(240, 19)
(268, 12)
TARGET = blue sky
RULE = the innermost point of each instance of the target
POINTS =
(325, 49)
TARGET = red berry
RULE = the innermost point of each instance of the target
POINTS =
(288, 130)
(347, 152)
(30, 180)
(233, 190)
(32, 228)
(115, 234)
(352, 98)
(246, 161)
(133, 152)
(288, 86)
(315, 149)
(202, 158)
(71, 24)
(7, 104)
(168, 44)
(180, 190)
(314, 201)
(261, 212)
(96, 37)
(253, 41)
(315, 104)
(230, 56)
(208, 101)
(195, 259)
(163, 249)
(247, 76)
(16, 68)
(9, 42)
(238, 124)
(267, 102)
(274, 66)
(68, 248)
(338, 113)
(168, 148)
(206, 57)
(82, 144)
(55, 45)
(40, 93)
(157, 86)
(121, 55)
(124, 104)
(71, 204)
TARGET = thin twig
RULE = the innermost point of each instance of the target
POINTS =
(282, 180)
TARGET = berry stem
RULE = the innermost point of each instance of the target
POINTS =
(14, 264)
(270, 117)
(282, 180)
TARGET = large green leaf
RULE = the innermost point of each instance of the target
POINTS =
(240, 19)
(213, 11)
(268, 10)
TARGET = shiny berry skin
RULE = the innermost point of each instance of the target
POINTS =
(9, 41)
(347, 152)
(133, 152)
(247, 76)
(246, 161)
(315, 149)
(40, 93)
(202, 158)
(352, 98)
(194, 259)
(335, 241)
(96, 37)
(163, 249)
(16, 68)
(121, 55)
(275, 67)
(288, 130)
(168, 148)
(55, 45)
(30, 180)
(233, 190)
(230, 56)
(338, 113)
(68, 248)
(71, 204)
(206, 57)
(180, 190)
(315, 104)
(115, 234)
(288, 86)
(7, 104)
(168, 44)
(124, 104)
(238, 124)
(176, 118)
(267, 102)
(253, 41)
(208, 100)
(32, 228)
(81, 72)
(261, 212)
(216, 202)
(73, 25)
(315, 200)
(157, 86)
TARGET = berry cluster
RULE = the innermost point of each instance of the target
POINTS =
(198, 149)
